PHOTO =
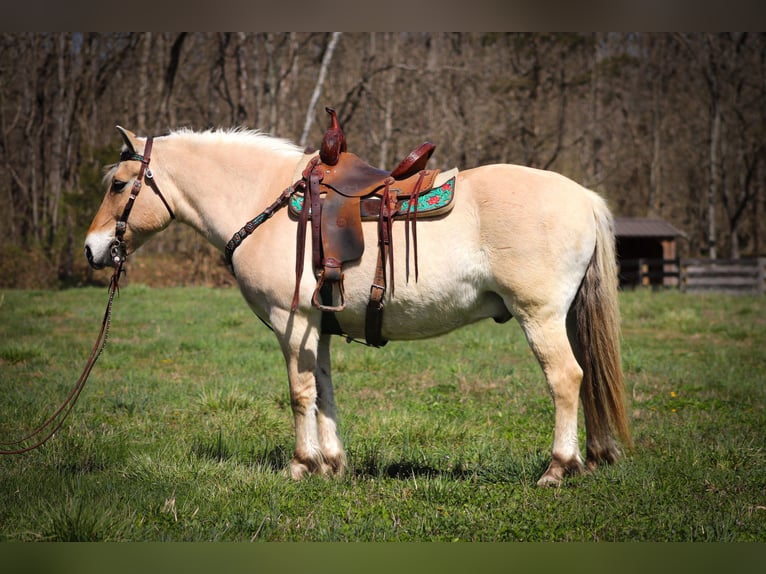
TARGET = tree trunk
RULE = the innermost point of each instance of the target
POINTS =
(168, 109)
(757, 209)
(272, 82)
(310, 111)
(143, 83)
(713, 184)
(242, 91)
(597, 138)
(654, 200)
(388, 114)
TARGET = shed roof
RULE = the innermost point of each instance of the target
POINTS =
(644, 227)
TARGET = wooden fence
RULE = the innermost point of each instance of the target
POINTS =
(737, 276)
(745, 276)
(646, 272)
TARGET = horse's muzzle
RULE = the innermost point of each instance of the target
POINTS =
(89, 255)
(98, 249)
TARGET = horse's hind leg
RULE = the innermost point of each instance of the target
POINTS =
(548, 339)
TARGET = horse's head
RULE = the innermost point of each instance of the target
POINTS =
(124, 221)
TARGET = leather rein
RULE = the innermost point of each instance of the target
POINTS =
(118, 251)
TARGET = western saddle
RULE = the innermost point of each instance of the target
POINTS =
(335, 192)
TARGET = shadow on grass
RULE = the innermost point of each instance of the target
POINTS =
(274, 457)
(497, 469)
(506, 470)
(216, 450)
(215, 447)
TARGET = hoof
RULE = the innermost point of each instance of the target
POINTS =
(558, 470)
(299, 469)
(336, 465)
(548, 479)
(597, 456)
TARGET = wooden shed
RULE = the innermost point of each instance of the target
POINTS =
(647, 252)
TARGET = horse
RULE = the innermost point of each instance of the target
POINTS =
(520, 243)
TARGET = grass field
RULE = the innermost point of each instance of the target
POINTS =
(184, 430)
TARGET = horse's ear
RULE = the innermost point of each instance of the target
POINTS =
(129, 138)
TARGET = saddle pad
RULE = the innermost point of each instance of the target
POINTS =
(437, 199)
(431, 203)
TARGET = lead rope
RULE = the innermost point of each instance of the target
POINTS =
(51, 426)
(119, 256)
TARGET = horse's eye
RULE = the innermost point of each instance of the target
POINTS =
(118, 186)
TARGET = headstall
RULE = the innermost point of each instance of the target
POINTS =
(118, 250)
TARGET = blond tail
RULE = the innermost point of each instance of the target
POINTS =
(595, 337)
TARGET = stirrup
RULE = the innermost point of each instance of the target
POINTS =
(315, 299)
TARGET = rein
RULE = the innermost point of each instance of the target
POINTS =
(52, 424)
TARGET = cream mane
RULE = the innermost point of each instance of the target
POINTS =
(222, 136)
(242, 136)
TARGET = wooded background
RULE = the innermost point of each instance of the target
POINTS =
(663, 125)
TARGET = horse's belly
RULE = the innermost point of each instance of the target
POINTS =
(418, 320)
(442, 299)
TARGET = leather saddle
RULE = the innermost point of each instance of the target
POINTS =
(339, 190)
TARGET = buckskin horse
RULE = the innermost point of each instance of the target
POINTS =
(515, 242)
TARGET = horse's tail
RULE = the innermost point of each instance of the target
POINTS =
(595, 336)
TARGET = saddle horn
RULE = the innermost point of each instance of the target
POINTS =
(333, 142)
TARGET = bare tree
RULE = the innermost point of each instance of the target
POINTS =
(746, 144)
(242, 78)
(143, 81)
(168, 109)
(311, 110)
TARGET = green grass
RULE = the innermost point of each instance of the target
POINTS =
(184, 430)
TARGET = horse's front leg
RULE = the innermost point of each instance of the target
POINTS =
(329, 441)
(317, 447)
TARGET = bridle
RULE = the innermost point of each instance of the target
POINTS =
(118, 249)
(118, 252)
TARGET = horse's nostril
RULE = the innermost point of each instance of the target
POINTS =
(89, 256)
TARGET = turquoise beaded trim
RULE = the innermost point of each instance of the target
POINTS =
(431, 200)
